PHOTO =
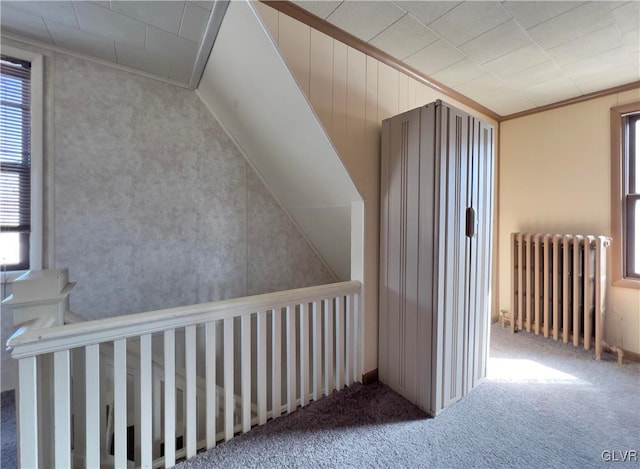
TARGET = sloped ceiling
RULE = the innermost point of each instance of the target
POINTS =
(249, 88)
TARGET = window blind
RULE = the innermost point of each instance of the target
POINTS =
(15, 162)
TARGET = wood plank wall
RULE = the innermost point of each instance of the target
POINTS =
(352, 93)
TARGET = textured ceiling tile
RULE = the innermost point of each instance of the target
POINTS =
(208, 4)
(460, 72)
(165, 15)
(194, 22)
(517, 60)
(552, 91)
(480, 86)
(435, 57)
(572, 24)
(507, 102)
(632, 40)
(534, 75)
(468, 20)
(170, 45)
(136, 57)
(495, 43)
(609, 60)
(81, 41)
(529, 14)
(365, 19)
(61, 12)
(19, 22)
(627, 73)
(426, 12)
(95, 19)
(403, 38)
(586, 46)
(321, 9)
(627, 16)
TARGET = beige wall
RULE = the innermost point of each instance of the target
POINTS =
(351, 93)
(554, 176)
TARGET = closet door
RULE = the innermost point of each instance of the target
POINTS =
(452, 266)
(400, 186)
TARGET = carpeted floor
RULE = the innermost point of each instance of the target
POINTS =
(544, 404)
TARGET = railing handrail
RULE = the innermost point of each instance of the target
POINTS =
(54, 339)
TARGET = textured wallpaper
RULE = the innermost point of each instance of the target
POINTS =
(154, 205)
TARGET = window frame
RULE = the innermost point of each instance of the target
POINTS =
(621, 199)
(37, 165)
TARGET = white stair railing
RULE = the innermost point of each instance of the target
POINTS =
(166, 384)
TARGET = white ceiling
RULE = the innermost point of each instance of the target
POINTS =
(509, 56)
(161, 38)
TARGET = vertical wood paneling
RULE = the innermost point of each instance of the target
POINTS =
(210, 382)
(294, 40)
(92, 402)
(321, 78)
(146, 398)
(62, 409)
(403, 93)
(245, 371)
(270, 18)
(28, 451)
(304, 354)
(388, 89)
(170, 398)
(190, 391)
(261, 334)
(120, 403)
(228, 379)
(339, 119)
(355, 157)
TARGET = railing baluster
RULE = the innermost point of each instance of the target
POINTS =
(228, 379)
(190, 365)
(170, 398)
(261, 335)
(291, 358)
(329, 346)
(349, 341)
(245, 373)
(146, 398)
(339, 343)
(120, 403)
(276, 366)
(317, 351)
(210, 378)
(356, 328)
(92, 405)
(304, 354)
(28, 412)
(62, 408)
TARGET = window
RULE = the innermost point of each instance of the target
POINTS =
(625, 169)
(20, 160)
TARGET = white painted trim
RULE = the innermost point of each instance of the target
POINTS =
(37, 150)
(32, 341)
